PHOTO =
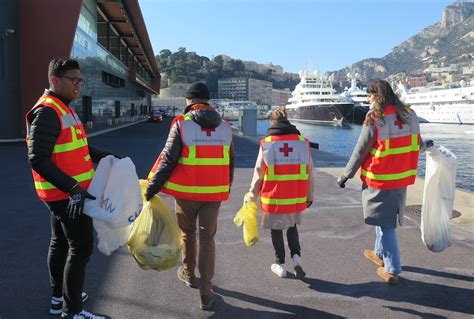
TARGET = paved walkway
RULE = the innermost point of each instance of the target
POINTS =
(339, 282)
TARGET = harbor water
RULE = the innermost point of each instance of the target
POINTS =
(341, 141)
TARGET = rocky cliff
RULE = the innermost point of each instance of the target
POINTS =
(449, 41)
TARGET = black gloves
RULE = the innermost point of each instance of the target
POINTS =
(341, 181)
(148, 194)
(429, 143)
(77, 197)
(309, 204)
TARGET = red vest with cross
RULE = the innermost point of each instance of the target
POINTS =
(70, 154)
(393, 160)
(285, 181)
(202, 172)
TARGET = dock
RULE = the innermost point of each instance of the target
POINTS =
(339, 281)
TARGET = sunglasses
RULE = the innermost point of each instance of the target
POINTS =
(74, 80)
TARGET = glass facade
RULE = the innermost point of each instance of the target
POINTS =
(107, 93)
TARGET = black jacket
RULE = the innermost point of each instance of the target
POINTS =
(172, 150)
(44, 131)
(282, 128)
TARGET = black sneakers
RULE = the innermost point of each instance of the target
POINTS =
(57, 304)
(207, 301)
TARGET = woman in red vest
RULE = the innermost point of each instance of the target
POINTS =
(283, 177)
(387, 154)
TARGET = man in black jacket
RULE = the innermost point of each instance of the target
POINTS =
(50, 123)
(194, 207)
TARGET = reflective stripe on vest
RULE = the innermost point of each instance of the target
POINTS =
(70, 154)
(202, 172)
(285, 180)
(393, 161)
(79, 178)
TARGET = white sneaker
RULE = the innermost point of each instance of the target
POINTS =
(82, 315)
(278, 270)
(57, 304)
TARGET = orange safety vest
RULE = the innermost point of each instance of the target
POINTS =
(70, 154)
(202, 172)
(285, 181)
(393, 159)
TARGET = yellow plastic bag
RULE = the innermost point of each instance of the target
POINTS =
(247, 215)
(155, 239)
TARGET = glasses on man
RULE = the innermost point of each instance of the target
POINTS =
(74, 80)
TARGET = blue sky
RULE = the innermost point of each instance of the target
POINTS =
(332, 34)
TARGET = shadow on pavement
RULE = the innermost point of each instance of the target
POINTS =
(228, 311)
(418, 314)
(409, 291)
(438, 273)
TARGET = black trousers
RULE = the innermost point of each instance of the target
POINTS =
(279, 245)
(70, 248)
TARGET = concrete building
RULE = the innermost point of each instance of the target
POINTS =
(241, 89)
(233, 89)
(108, 38)
(174, 90)
(280, 97)
(416, 81)
(260, 91)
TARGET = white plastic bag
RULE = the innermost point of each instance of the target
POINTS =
(438, 198)
(119, 201)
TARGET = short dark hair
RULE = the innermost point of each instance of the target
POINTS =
(58, 67)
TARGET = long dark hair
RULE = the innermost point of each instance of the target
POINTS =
(384, 95)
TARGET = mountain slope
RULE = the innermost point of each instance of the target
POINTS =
(449, 41)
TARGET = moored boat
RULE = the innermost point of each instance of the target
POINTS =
(314, 100)
(440, 104)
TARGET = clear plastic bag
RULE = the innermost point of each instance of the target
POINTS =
(155, 239)
(247, 216)
(438, 198)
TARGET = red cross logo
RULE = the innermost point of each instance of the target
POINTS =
(286, 150)
(208, 130)
(399, 123)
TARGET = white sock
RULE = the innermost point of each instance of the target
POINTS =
(296, 260)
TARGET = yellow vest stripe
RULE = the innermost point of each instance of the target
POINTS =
(401, 150)
(197, 189)
(192, 160)
(50, 100)
(284, 201)
(388, 177)
(270, 176)
(75, 144)
(79, 178)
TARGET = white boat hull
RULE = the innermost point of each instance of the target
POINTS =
(452, 106)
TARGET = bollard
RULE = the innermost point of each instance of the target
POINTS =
(248, 122)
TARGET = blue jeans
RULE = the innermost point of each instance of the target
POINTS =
(386, 247)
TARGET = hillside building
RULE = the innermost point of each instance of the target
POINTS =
(241, 89)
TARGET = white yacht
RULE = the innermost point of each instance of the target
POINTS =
(441, 105)
(359, 97)
(314, 100)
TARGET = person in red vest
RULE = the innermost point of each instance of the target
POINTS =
(196, 166)
(387, 155)
(284, 179)
(61, 162)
